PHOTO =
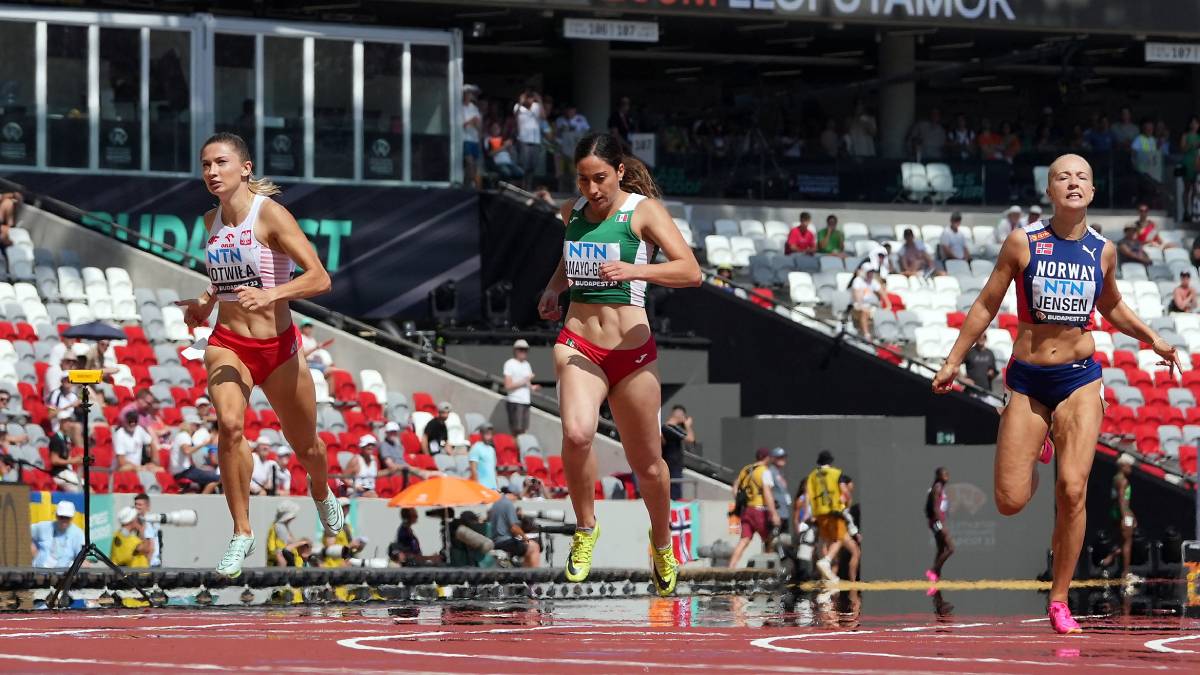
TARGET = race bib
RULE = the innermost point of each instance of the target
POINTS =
(583, 259)
(1066, 301)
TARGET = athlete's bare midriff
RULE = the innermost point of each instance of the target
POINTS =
(261, 324)
(1052, 344)
(609, 326)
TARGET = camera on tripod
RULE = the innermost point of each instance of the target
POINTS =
(178, 518)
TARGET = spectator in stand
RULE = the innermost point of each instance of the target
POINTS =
(183, 463)
(991, 144)
(62, 464)
(205, 410)
(621, 122)
(1196, 250)
(472, 130)
(55, 374)
(1012, 141)
(831, 240)
(267, 477)
(482, 457)
(130, 548)
(391, 452)
(62, 403)
(316, 353)
(1099, 137)
(860, 132)
(1044, 140)
(1163, 133)
(434, 439)
(500, 149)
(829, 139)
(1189, 145)
(1129, 249)
(1124, 131)
(1078, 140)
(868, 293)
(1035, 214)
(363, 468)
(962, 140)
(101, 357)
(1011, 221)
(724, 277)
(1147, 153)
(518, 383)
(568, 129)
(914, 257)
(56, 543)
(880, 258)
(134, 449)
(677, 435)
(145, 406)
(980, 364)
(505, 520)
(8, 216)
(953, 243)
(802, 239)
(60, 350)
(928, 138)
(1147, 229)
(529, 114)
(1183, 298)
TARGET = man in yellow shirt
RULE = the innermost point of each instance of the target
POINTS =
(826, 497)
(128, 547)
(758, 515)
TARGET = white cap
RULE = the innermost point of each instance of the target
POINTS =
(286, 511)
(521, 344)
(80, 349)
(390, 427)
(127, 515)
(203, 400)
(1035, 209)
(1013, 209)
(445, 405)
(282, 450)
(1125, 459)
(367, 439)
(65, 510)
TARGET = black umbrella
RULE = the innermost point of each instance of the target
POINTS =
(95, 330)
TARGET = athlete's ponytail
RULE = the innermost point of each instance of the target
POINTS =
(259, 186)
(608, 149)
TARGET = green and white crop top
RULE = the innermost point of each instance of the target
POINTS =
(588, 245)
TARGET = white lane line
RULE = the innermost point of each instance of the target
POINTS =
(1161, 645)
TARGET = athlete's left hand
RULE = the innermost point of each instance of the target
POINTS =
(1169, 354)
(617, 271)
(253, 298)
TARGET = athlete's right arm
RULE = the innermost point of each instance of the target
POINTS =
(985, 307)
(548, 307)
(196, 311)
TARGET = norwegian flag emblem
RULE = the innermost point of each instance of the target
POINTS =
(681, 531)
(623, 217)
(1044, 248)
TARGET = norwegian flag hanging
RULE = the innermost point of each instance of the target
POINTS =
(681, 531)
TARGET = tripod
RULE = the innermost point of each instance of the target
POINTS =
(89, 550)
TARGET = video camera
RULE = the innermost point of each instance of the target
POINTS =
(530, 522)
(178, 518)
(339, 552)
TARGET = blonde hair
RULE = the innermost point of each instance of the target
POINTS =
(259, 186)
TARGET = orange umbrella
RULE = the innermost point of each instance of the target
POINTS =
(444, 491)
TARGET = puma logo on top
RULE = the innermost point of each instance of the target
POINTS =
(1090, 251)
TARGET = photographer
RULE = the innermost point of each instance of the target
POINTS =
(344, 539)
(677, 435)
(505, 520)
(406, 550)
(283, 548)
(150, 530)
(130, 547)
(469, 544)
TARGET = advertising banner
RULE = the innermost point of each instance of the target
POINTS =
(385, 247)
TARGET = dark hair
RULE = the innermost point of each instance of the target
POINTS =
(608, 149)
(141, 495)
(407, 511)
(805, 215)
(131, 417)
(679, 408)
(826, 457)
(937, 473)
(259, 186)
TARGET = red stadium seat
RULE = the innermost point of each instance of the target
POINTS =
(135, 333)
(1138, 378)
(1102, 359)
(341, 384)
(27, 389)
(1175, 416)
(252, 424)
(897, 302)
(1123, 358)
(166, 482)
(1008, 321)
(171, 416)
(599, 490)
(99, 482)
(956, 319)
(126, 482)
(329, 440)
(763, 297)
(1154, 395)
(1149, 445)
(1187, 459)
(1152, 413)
(356, 423)
(299, 486)
(370, 407)
(269, 420)
(7, 331)
(558, 476)
(349, 441)
(26, 332)
(410, 441)
(36, 480)
(183, 397)
(387, 486)
(102, 455)
(424, 403)
(1164, 380)
(164, 457)
(124, 395)
(534, 466)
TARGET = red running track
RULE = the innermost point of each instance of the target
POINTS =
(524, 641)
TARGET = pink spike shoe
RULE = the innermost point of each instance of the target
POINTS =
(1047, 451)
(1061, 619)
(931, 576)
